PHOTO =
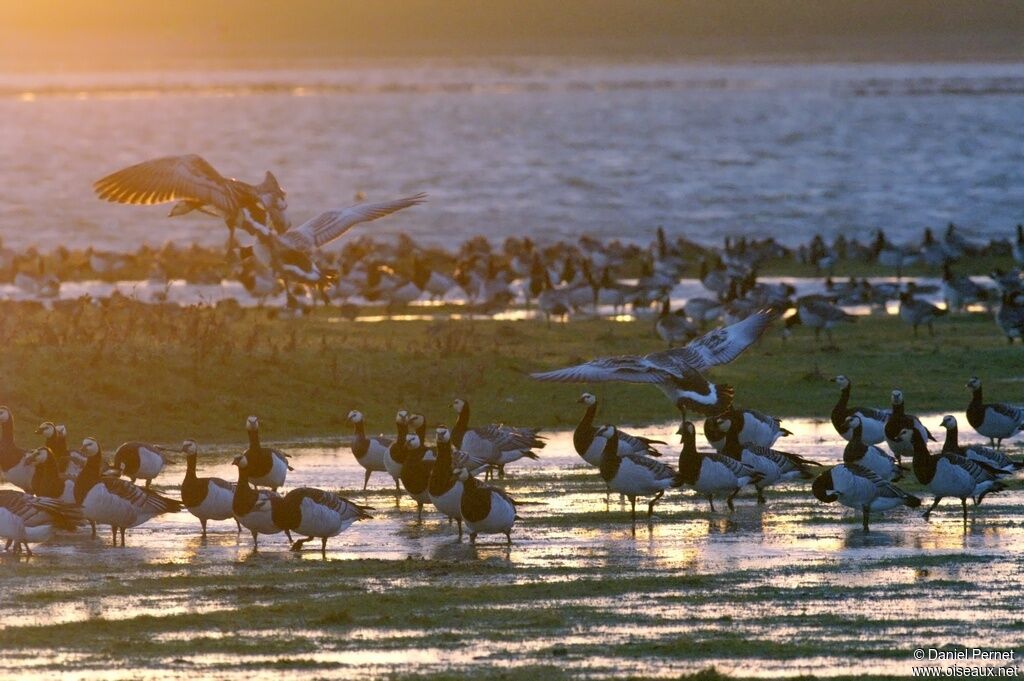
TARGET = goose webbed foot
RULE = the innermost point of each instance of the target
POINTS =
(297, 545)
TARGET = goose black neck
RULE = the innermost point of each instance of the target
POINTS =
(610, 460)
(461, 424)
(360, 431)
(952, 442)
(924, 463)
(88, 478)
(689, 459)
(46, 480)
(254, 439)
(732, 444)
(839, 411)
(190, 467)
(7, 432)
(584, 433)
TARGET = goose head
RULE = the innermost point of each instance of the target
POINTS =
(46, 429)
(724, 423)
(686, 431)
(852, 423)
(402, 417)
(948, 421)
(62, 430)
(974, 383)
(252, 424)
(37, 456)
(5, 414)
(897, 396)
(90, 447)
(355, 416)
(412, 441)
(607, 431)
(587, 399)
(416, 421)
(443, 434)
(241, 461)
(842, 381)
(824, 489)
(190, 447)
(905, 435)
(459, 405)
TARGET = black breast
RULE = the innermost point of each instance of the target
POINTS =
(194, 490)
(476, 501)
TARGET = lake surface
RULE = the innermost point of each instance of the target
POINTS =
(540, 147)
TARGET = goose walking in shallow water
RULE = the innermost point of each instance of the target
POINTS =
(994, 420)
(445, 488)
(589, 446)
(416, 472)
(633, 475)
(28, 519)
(753, 428)
(265, 467)
(486, 509)
(138, 460)
(709, 473)
(984, 455)
(370, 452)
(858, 487)
(253, 508)
(772, 465)
(316, 514)
(858, 452)
(872, 420)
(494, 445)
(205, 498)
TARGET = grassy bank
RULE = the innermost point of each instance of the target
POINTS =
(130, 371)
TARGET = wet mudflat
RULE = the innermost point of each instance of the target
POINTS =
(791, 588)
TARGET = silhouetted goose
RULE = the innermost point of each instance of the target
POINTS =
(138, 460)
(416, 472)
(46, 478)
(711, 474)
(860, 488)
(56, 442)
(960, 291)
(316, 514)
(897, 421)
(26, 519)
(984, 455)
(1018, 246)
(673, 327)
(486, 509)
(752, 428)
(205, 498)
(772, 464)
(266, 467)
(1010, 315)
(950, 475)
(113, 501)
(14, 466)
(677, 372)
(445, 488)
(996, 420)
(818, 314)
(631, 474)
(493, 445)
(589, 446)
(370, 452)
(252, 507)
(869, 456)
(917, 312)
(396, 452)
(872, 420)
(195, 185)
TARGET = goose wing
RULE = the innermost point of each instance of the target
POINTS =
(717, 347)
(509, 439)
(170, 178)
(142, 499)
(336, 502)
(978, 471)
(332, 224)
(1007, 410)
(625, 368)
(661, 471)
(884, 487)
(640, 444)
(785, 460)
(738, 468)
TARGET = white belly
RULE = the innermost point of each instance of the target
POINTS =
(500, 519)
(259, 519)
(951, 481)
(21, 475)
(450, 503)
(216, 505)
(480, 449)
(715, 479)
(104, 508)
(320, 521)
(11, 526)
(375, 457)
(278, 472)
(634, 479)
(150, 464)
(393, 467)
(766, 467)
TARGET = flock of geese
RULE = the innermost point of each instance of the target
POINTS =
(61, 489)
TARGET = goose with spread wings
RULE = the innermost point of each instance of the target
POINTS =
(678, 372)
(194, 184)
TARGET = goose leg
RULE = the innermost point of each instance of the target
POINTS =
(297, 545)
(238, 525)
(711, 502)
(760, 496)
(202, 521)
(650, 505)
(7, 546)
(963, 503)
(932, 507)
(288, 534)
(255, 543)
(472, 538)
(93, 523)
(113, 532)
(28, 551)
(419, 511)
(323, 546)
(508, 538)
(460, 529)
(864, 511)
(122, 537)
(632, 501)
(366, 480)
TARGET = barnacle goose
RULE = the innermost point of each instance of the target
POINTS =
(673, 327)
(205, 498)
(773, 465)
(113, 501)
(960, 291)
(416, 472)
(265, 466)
(15, 467)
(589, 446)
(486, 509)
(869, 456)
(396, 452)
(986, 455)
(252, 507)
(996, 420)
(631, 474)
(872, 420)
(676, 372)
(818, 313)
(138, 460)
(711, 474)
(445, 487)
(315, 513)
(898, 420)
(752, 427)
(493, 445)
(28, 519)
(1010, 315)
(860, 488)
(950, 475)
(370, 452)
(56, 442)
(917, 312)
(46, 478)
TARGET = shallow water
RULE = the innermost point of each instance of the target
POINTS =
(796, 580)
(549, 148)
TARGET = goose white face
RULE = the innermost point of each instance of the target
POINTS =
(973, 384)
(949, 421)
(38, 456)
(905, 435)
(463, 474)
(897, 397)
(90, 447)
(842, 381)
(5, 414)
(587, 399)
(606, 431)
(190, 447)
(458, 405)
(355, 416)
(725, 424)
(63, 430)
(412, 441)
(47, 430)
(853, 422)
(416, 421)
(443, 434)
(401, 417)
(241, 461)
(252, 423)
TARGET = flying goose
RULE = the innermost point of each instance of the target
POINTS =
(752, 428)
(985, 455)
(205, 498)
(445, 488)
(195, 185)
(711, 474)
(370, 452)
(493, 445)
(485, 509)
(950, 475)
(138, 460)
(253, 508)
(25, 518)
(860, 488)
(676, 372)
(996, 420)
(316, 514)
(113, 501)
(631, 474)
(872, 420)
(264, 466)
(772, 464)
(589, 446)
(898, 420)
(869, 456)
(15, 467)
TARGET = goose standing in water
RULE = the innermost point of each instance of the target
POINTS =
(316, 514)
(673, 327)
(15, 467)
(996, 420)
(984, 455)
(871, 457)
(752, 428)
(633, 475)
(678, 373)
(860, 488)
(416, 471)
(370, 452)
(493, 445)
(872, 420)
(265, 467)
(817, 313)
(46, 478)
(138, 460)
(711, 474)
(445, 487)
(28, 519)
(395, 457)
(252, 507)
(113, 501)
(772, 465)
(205, 498)
(486, 509)
(589, 446)
(898, 420)
(950, 475)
